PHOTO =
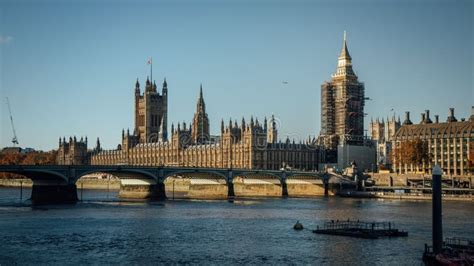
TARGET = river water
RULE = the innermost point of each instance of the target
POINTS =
(104, 230)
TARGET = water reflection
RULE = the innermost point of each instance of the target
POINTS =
(102, 229)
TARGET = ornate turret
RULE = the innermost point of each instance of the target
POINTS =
(151, 112)
(164, 90)
(137, 88)
(200, 124)
(148, 86)
(272, 133)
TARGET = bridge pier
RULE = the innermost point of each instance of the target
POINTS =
(46, 192)
(326, 184)
(230, 186)
(142, 189)
(284, 186)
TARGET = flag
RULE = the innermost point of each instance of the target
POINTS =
(149, 62)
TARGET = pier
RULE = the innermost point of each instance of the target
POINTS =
(370, 230)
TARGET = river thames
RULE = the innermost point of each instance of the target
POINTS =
(104, 230)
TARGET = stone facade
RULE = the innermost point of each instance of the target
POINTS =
(200, 130)
(75, 151)
(382, 133)
(151, 112)
(342, 105)
(449, 143)
(251, 145)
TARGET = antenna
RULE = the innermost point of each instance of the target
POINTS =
(14, 139)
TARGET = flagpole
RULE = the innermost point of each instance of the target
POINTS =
(151, 70)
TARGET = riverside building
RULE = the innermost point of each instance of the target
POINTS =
(450, 143)
(248, 145)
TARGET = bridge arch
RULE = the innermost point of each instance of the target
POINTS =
(135, 183)
(213, 184)
(248, 183)
(250, 172)
(40, 175)
(296, 174)
(49, 186)
(194, 171)
(119, 172)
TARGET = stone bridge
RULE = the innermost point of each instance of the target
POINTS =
(57, 183)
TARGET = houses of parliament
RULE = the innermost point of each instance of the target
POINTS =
(248, 144)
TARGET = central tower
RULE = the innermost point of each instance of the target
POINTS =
(342, 105)
(151, 113)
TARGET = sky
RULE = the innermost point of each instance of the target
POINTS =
(69, 67)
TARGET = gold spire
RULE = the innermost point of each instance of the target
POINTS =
(344, 52)
(344, 63)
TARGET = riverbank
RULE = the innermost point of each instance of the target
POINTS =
(403, 196)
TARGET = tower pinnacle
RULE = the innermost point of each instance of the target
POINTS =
(345, 52)
(344, 62)
(200, 124)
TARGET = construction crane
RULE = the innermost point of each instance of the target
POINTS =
(14, 139)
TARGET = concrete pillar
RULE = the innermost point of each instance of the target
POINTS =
(326, 184)
(47, 192)
(437, 210)
(230, 185)
(284, 187)
(159, 191)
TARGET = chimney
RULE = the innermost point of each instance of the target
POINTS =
(423, 118)
(407, 119)
(472, 114)
(428, 120)
(451, 117)
(436, 119)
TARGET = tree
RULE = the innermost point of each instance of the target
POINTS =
(411, 152)
(31, 158)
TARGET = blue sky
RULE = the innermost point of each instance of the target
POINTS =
(69, 67)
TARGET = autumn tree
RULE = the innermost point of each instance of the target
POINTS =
(411, 152)
(31, 158)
